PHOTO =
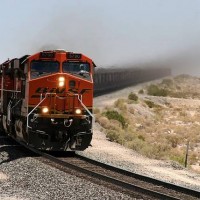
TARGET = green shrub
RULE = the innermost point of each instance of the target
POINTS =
(150, 104)
(178, 158)
(114, 136)
(141, 137)
(154, 90)
(167, 82)
(132, 96)
(112, 114)
(141, 91)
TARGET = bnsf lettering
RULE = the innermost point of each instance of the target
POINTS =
(50, 90)
(43, 90)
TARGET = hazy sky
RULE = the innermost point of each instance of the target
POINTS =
(108, 31)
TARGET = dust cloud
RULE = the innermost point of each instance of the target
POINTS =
(119, 42)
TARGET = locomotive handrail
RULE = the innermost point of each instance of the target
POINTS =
(80, 100)
(10, 90)
(27, 124)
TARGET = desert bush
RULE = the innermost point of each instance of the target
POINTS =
(129, 136)
(141, 137)
(114, 136)
(120, 103)
(193, 158)
(96, 111)
(173, 139)
(141, 91)
(131, 110)
(167, 82)
(132, 96)
(103, 121)
(150, 104)
(112, 114)
(155, 150)
(136, 144)
(154, 90)
(180, 158)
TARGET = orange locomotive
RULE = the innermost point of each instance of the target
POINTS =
(47, 99)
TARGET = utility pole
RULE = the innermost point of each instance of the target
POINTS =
(186, 153)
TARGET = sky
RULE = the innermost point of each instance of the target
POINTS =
(111, 32)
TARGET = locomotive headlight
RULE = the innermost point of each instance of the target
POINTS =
(78, 111)
(45, 110)
(61, 81)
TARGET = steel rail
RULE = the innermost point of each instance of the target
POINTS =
(125, 185)
(148, 179)
(129, 186)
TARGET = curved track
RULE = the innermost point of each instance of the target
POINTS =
(132, 183)
(137, 186)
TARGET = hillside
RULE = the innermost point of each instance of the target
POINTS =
(156, 119)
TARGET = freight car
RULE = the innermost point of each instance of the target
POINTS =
(47, 99)
(113, 78)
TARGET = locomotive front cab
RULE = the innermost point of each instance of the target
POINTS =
(58, 101)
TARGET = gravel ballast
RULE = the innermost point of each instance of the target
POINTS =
(27, 178)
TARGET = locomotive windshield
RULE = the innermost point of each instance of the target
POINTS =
(77, 68)
(43, 68)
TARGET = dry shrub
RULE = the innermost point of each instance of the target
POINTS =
(132, 96)
(173, 140)
(129, 136)
(141, 91)
(131, 110)
(114, 136)
(193, 157)
(155, 150)
(150, 104)
(104, 122)
(96, 111)
(120, 103)
(177, 155)
(112, 114)
(154, 90)
(167, 82)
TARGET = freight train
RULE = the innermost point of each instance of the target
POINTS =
(47, 99)
(109, 79)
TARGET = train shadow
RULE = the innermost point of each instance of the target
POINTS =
(10, 150)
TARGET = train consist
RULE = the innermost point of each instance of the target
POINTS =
(47, 99)
(111, 79)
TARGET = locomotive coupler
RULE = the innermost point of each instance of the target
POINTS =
(68, 122)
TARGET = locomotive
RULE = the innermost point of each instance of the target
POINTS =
(46, 100)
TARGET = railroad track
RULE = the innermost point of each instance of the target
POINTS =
(137, 186)
(131, 183)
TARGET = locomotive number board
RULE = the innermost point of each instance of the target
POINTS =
(73, 56)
